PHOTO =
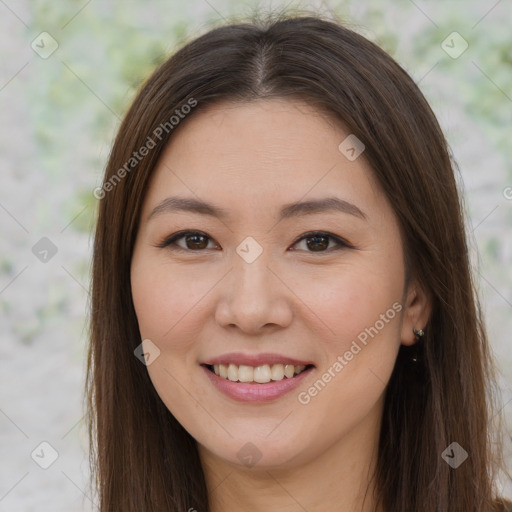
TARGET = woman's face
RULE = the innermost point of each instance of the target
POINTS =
(260, 294)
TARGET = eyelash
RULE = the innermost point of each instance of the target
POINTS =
(172, 239)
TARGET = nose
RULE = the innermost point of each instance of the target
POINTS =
(254, 298)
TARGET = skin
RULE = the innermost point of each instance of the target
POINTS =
(308, 303)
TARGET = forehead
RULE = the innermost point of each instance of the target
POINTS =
(256, 153)
(272, 127)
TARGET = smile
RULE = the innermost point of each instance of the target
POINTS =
(252, 391)
(260, 374)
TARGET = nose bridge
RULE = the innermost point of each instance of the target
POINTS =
(253, 295)
(251, 275)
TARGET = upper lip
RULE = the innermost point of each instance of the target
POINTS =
(255, 360)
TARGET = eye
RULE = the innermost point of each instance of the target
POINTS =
(315, 241)
(319, 241)
(194, 241)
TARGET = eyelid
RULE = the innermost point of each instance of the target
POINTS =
(170, 240)
(338, 239)
(181, 234)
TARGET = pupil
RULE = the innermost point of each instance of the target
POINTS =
(195, 238)
(316, 239)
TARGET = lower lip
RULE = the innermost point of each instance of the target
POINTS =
(254, 392)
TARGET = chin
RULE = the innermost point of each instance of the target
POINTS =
(259, 453)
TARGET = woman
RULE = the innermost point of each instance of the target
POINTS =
(283, 316)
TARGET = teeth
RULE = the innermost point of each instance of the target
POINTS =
(277, 372)
(223, 371)
(245, 373)
(233, 372)
(289, 370)
(261, 374)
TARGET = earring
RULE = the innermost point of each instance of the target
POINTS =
(419, 335)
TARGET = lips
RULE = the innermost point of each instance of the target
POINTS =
(258, 377)
(256, 392)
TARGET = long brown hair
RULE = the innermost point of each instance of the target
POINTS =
(142, 459)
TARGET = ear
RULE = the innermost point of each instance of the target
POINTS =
(417, 309)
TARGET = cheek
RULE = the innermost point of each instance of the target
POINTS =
(169, 311)
(168, 301)
(345, 301)
(358, 311)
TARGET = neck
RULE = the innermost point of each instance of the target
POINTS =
(336, 479)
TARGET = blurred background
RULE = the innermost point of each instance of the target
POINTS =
(68, 71)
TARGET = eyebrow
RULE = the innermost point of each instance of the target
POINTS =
(191, 205)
